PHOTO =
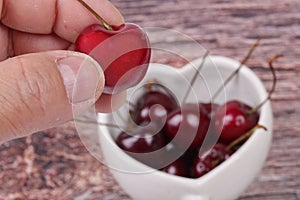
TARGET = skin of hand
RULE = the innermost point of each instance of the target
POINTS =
(41, 81)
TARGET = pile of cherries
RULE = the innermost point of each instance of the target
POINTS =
(193, 137)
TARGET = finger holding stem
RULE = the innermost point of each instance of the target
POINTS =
(103, 22)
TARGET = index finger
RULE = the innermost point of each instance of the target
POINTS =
(67, 18)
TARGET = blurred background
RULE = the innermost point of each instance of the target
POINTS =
(55, 165)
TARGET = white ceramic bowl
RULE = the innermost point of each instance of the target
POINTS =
(228, 180)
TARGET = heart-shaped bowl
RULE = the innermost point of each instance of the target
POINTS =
(228, 180)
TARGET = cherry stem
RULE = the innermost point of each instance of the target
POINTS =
(244, 136)
(271, 60)
(195, 77)
(149, 84)
(238, 140)
(103, 22)
(237, 70)
(216, 162)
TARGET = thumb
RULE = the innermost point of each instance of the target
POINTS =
(38, 91)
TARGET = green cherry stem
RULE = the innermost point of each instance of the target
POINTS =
(238, 141)
(237, 70)
(103, 22)
(271, 60)
(244, 136)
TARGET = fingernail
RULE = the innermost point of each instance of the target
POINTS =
(83, 78)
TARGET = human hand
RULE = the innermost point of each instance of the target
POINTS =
(40, 81)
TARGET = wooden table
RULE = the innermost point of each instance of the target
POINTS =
(55, 165)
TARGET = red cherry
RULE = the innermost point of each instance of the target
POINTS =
(209, 159)
(233, 119)
(123, 53)
(178, 167)
(179, 161)
(155, 105)
(189, 124)
(202, 167)
(145, 140)
(209, 108)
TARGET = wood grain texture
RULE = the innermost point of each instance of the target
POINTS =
(55, 165)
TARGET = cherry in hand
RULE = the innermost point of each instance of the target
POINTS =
(123, 52)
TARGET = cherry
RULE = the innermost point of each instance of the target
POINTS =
(180, 161)
(145, 140)
(179, 168)
(209, 159)
(241, 118)
(202, 167)
(211, 136)
(154, 104)
(123, 52)
(233, 119)
(189, 124)
(209, 108)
